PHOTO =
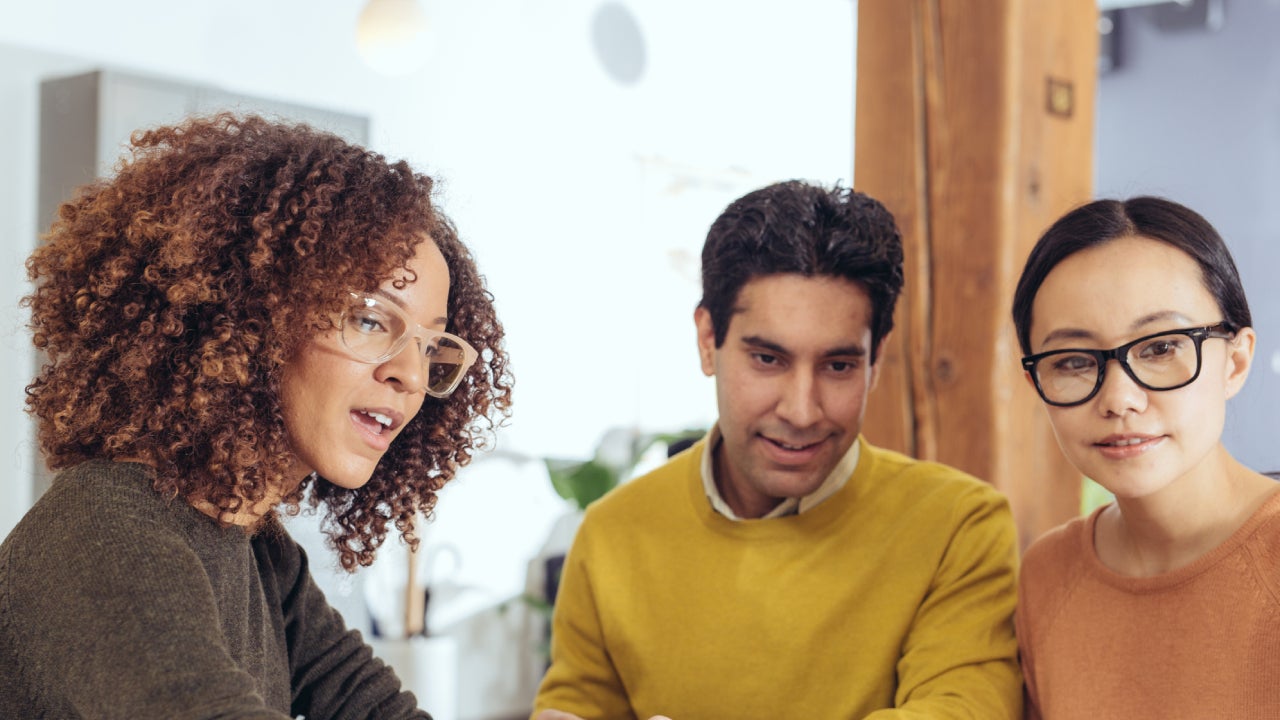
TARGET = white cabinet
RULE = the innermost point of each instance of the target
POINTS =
(86, 121)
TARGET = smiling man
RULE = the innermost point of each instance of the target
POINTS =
(784, 567)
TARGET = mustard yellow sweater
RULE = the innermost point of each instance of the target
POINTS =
(894, 598)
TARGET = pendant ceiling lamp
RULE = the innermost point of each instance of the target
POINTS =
(391, 36)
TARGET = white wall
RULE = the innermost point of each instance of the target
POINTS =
(585, 201)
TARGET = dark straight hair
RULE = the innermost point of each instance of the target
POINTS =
(1102, 221)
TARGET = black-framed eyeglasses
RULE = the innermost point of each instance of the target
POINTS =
(1163, 361)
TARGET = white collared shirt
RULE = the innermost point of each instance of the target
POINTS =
(789, 506)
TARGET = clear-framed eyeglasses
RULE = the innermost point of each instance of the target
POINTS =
(375, 330)
(1163, 361)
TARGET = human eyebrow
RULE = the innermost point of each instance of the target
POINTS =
(1068, 334)
(400, 304)
(846, 351)
(843, 351)
(1156, 317)
(758, 342)
(1136, 327)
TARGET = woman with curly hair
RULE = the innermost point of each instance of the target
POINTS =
(247, 311)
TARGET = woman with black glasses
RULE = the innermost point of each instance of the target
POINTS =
(1166, 602)
(247, 314)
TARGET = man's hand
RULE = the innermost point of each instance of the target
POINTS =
(558, 715)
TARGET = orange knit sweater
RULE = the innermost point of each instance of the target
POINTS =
(1202, 641)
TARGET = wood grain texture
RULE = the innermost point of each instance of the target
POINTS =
(975, 128)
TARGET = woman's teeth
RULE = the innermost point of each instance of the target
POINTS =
(383, 420)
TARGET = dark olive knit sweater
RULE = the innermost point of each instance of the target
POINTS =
(116, 602)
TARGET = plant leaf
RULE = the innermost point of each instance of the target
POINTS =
(581, 482)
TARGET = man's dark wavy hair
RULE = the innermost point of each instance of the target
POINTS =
(169, 297)
(801, 228)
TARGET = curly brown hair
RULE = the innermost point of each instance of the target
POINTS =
(169, 297)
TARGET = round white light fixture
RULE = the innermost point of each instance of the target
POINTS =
(391, 36)
(619, 42)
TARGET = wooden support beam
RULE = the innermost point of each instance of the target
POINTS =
(975, 128)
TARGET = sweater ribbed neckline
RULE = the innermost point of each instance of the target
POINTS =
(770, 529)
(1269, 512)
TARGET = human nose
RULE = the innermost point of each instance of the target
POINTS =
(799, 404)
(1119, 392)
(405, 369)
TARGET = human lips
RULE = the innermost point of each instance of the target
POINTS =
(792, 451)
(379, 424)
(791, 446)
(1127, 445)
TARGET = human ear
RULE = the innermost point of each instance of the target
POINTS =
(1239, 359)
(706, 340)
